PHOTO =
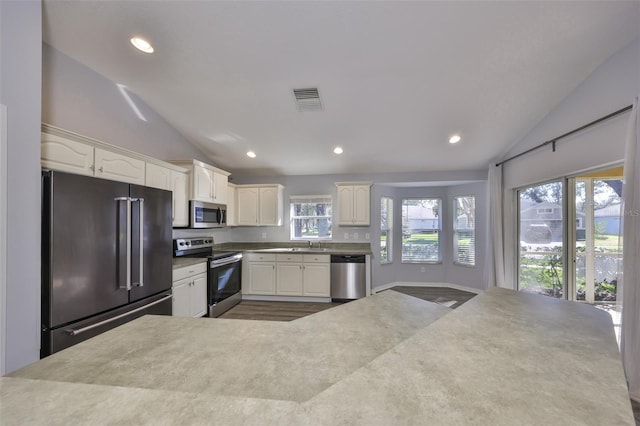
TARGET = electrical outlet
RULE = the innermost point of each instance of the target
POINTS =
(423, 269)
(366, 236)
(264, 235)
(346, 235)
(356, 236)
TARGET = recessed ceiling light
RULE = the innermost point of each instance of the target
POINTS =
(251, 154)
(337, 150)
(142, 45)
(455, 139)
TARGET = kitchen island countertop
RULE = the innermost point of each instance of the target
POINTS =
(504, 357)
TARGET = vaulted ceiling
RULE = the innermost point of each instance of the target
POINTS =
(396, 79)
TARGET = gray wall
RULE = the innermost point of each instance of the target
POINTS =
(611, 86)
(386, 185)
(20, 71)
(76, 98)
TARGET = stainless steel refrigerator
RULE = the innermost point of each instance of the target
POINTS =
(106, 256)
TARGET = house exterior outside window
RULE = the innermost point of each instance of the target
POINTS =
(386, 230)
(421, 230)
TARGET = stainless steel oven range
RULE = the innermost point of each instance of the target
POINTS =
(223, 274)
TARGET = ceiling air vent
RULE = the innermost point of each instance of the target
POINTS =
(307, 99)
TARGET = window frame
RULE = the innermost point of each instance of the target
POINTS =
(388, 230)
(439, 229)
(454, 244)
(309, 199)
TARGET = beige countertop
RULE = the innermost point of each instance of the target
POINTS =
(502, 358)
(301, 247)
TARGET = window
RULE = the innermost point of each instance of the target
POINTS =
(311, 217)
(386, 230)
(464, 230)
(421, 226)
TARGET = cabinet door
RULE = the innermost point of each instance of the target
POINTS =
(247, 213)
(179, 187)
(345, 205)
(268, 209)
(202, 184)
(182, 298)
(57, 153)
(220, 188)
(114, 166)
(316, 280)
(199, 305)
(361, 205)
(262, 278)
(157, 176)
(289, 279)
(231, 206)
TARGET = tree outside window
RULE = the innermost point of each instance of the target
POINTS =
(386, 230)
(311, 217)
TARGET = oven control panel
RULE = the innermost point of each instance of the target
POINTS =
(180, 244)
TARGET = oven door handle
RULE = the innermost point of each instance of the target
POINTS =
(226, 261)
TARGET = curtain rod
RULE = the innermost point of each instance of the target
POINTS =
(554, 140)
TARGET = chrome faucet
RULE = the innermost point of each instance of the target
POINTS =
(310, 244)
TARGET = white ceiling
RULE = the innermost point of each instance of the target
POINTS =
(396, 78)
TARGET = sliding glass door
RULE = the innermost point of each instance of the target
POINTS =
(598, 239)
(584, 214)
(541, 235)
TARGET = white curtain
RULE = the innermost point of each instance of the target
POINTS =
(630, 335)
(494, 260)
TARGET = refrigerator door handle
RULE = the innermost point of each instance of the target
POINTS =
(127, 284)
(141, 256)
(75, 332)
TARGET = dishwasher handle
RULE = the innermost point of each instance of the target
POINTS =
(348, 258)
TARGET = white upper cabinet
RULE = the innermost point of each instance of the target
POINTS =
(115, 166)
(158, 176)
(180, 189)
(232, 217)
(68, 152)
(259, 205)
(354, 203)
(73, 153)
(67, 155)
(207, 183)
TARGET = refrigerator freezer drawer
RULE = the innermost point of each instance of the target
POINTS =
(63, 337)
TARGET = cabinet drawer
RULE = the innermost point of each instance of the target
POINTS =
(317, 258)
(189, 271)
(259, 257)
(289, 258)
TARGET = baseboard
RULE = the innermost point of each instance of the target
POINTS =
(411, 284)
(286, 298)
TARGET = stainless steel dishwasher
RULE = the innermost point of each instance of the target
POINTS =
(348, 277)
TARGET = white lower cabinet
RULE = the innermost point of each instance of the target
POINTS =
(259, 273)
(286, 275)
(316, 279)
(289, 275)
(190, 291)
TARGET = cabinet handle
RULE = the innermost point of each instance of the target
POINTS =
(100, 169)
(92, 168)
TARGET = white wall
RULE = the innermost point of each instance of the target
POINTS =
(20, 76)
(76, 98)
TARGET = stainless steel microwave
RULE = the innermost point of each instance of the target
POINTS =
(207, 215)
